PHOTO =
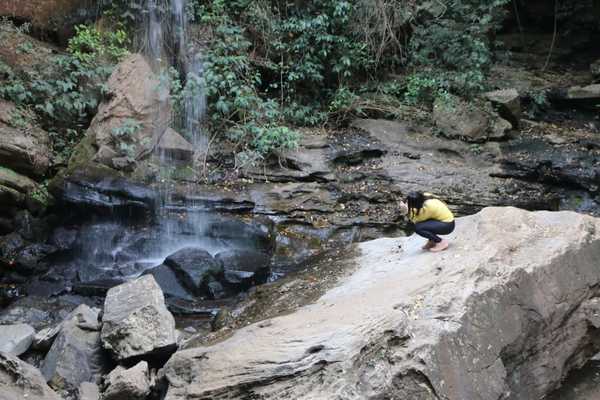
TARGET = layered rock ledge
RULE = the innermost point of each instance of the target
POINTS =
(505, 313)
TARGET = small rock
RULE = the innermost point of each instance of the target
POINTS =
(174, 146)
(128, 384)
(136, 322)
(216, 290)
(508, 104)
(88, 391)
(16, 339)
(190, 329)
(595, 69)
(43, 339)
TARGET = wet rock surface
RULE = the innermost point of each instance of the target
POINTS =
(195, 268)
(244, 268)
(427, 326)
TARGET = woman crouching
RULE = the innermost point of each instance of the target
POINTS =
(431, 218)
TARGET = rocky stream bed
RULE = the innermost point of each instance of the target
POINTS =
(174, 275)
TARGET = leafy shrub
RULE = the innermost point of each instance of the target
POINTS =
(91, 45)
(453, 52)
(231, 84)
(66, 96)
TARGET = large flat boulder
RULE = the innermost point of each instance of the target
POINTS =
(76, 355)
(505, 313)
(19, 380)
(136, 322)
(24, 147)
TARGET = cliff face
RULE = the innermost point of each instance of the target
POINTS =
(505, 313)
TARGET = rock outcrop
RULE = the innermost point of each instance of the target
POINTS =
(508, 104)
(505, 313)
(24, 147)
(132, 122)
(19, 380)
(136, 322)
(58, 16)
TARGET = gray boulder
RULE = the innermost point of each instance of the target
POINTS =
(175, 146)
(128, 384)
(468, 121)
(76, 355)
(508, 104)
(19, 380)
(136, 322)
(169, 283)
(244, 268)
(88, 391)
(43, 339)
(505, 313)
(194, 268)
(15, 339)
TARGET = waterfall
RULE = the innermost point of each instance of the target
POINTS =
(163, 37)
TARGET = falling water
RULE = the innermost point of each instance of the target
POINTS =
(163, 37)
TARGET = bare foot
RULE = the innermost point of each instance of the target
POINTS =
(428, 245)
(441, 246)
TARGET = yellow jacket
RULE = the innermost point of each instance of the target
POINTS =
(432, 209)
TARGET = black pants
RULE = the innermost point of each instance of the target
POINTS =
(431, 228)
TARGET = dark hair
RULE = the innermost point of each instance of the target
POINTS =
(415, 202)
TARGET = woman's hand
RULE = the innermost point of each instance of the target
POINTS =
(403, 207)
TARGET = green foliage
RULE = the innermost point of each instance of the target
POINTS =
(124, 136)
(421, 88)
(453, 51)
(65, 96)
(20, 118)
(539, 102)
(41, 194)
(90, 45)
(25, 48)
(129, 128)
(232, 84)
